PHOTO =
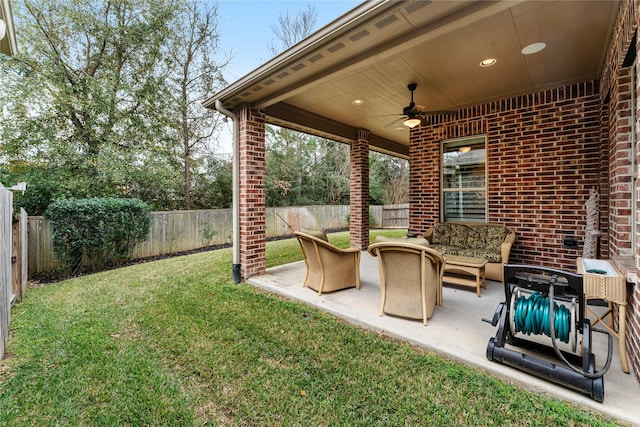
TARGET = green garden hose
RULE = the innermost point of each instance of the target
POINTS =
(531, 316)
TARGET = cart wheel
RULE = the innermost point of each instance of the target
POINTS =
(490, 348)
(598, 389)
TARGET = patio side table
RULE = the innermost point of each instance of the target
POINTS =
(609, 285)
(466, 271)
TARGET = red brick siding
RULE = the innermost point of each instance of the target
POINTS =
(542, 159)
(252, 212)
(603, 249)
(616, 89)
(620, 165)
(359, 191)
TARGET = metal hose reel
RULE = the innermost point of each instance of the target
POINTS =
(545, 305)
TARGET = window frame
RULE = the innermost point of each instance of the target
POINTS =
(461, 142)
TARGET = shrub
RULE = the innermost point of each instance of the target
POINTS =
(101, 230)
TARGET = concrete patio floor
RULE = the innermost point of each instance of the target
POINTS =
(456, 331)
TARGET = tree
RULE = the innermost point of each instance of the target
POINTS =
(86, 99)
(104, 99)
(389, 183)
(213, 186)
(286, 168)
(195, 74)
(291, 29)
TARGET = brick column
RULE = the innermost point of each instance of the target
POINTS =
(253, 206)
(359, 187)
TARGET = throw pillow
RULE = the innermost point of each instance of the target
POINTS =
(477, 237)
(459, 235)
(495, 236)
(441, 234)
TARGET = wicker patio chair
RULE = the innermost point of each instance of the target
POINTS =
(329, 268)
(410, 279)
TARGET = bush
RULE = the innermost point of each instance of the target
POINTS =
(101, 230)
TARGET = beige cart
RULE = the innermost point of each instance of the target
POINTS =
(610, 286)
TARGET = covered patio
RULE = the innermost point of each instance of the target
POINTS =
(455, 331)
(544, 93)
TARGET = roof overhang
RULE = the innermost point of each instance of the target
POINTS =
(374, 51)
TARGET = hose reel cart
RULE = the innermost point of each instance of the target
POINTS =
(543, 306)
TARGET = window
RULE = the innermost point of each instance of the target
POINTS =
(464, 178)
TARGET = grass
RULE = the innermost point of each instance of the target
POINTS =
(175, 342)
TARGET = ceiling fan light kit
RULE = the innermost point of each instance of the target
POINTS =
(412, 122)
(413, 114)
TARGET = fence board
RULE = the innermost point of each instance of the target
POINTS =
(395, 216)
(24, 255)
(6, 292)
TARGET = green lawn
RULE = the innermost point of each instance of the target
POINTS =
(175, 342)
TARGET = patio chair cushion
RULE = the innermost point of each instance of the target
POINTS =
(446, 249)
(488, 254)
(320, 234)
(412, 240)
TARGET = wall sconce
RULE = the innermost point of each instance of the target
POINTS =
(3, 29)
(412, 122)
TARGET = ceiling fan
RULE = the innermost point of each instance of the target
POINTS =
(413, 114)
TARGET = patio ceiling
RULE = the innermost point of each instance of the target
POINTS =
(373, 52)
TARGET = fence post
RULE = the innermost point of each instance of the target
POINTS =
(19, 256)
(6, 207)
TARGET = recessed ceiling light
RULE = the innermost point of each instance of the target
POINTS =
(488, 62)
(533, 48)
(358, 102)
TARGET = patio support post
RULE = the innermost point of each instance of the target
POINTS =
(359, 195)
(253, 202)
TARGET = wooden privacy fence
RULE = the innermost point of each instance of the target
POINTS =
(395, 216)
(13, 264)
(179, 231)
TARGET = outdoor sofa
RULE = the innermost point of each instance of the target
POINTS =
(477, 240)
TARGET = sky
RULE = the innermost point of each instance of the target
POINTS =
(245, 27)
(245, 31)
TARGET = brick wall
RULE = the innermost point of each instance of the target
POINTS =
(633, 313)
(617, 83)
(359, 191)
(543, 157)
(253, 204)
(620, 135)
